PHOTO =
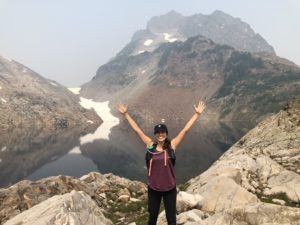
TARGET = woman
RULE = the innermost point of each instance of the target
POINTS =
(160, 162)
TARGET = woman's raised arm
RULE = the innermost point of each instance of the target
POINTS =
(123, 109)
(198, 110)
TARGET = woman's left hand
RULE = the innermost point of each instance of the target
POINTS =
(200, 108)
(122, 108)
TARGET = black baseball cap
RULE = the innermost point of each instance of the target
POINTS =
(160, 128)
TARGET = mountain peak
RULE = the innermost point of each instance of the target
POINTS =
(170, 20)
(220, 27)
(219, 13)
(173, 13)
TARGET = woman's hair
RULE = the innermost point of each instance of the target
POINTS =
(167, 143)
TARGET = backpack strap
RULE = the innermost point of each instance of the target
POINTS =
(151, 151)
(172, 155)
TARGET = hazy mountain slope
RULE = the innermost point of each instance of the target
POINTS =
(27, 99)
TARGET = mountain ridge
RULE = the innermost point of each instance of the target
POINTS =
(28, 99)
(220, 27)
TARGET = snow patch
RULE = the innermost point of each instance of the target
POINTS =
(143, 71)
(109, 121)
(0, 87)
(140, 52)
(54, 84)
(148, 42)
(75, 150)
(75, 91)
(89, 121)
(167, 37)
(3, 149)
(24, 70)
(3, 100)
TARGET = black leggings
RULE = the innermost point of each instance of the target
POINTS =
(154, 199)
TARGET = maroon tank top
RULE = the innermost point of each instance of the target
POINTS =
(161, 175)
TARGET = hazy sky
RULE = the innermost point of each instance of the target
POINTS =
(67, 40)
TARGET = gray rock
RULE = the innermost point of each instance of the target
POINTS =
(190, 216)
(279, 201)
(222, 193)
(124, 198)
(187, 201)
(256, 214)
(76, 208)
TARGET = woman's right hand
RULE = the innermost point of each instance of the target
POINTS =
(122, 108)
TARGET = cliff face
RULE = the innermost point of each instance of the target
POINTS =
(29, 100)
(257, 181)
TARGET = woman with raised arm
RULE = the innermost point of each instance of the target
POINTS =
(160, 158)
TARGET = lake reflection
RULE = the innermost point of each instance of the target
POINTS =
(25, 150)
(36, 153)
(72, 164)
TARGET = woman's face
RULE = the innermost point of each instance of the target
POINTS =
(161, 136)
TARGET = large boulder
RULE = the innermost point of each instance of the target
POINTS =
(76, 208)
(187, 201)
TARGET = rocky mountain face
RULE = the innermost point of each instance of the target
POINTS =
(256, 182)
(27, 100)
(239, 88)
(219, 27)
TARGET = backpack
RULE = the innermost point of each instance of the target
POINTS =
(170, 152)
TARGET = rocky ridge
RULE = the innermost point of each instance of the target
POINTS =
(29, 100)
(256, 182)
(218, 26)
